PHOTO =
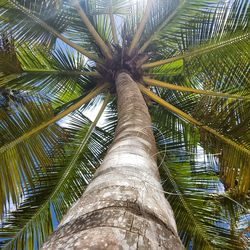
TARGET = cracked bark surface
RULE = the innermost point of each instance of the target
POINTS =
(124, 206)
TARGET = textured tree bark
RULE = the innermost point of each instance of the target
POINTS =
(124, 206)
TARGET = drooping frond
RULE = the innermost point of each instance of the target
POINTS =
(196, 194)
(15, 19)
(206, 216)
(20, 162)
(47, 122)
(236, 155)
(63, 184)
(17, 154)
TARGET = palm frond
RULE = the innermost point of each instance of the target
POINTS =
(157, 83)
(27, 21)
(64, 184)
(97, 14)
(234, 161)
(207, 216)
(204, 24)
(60, 74)
(198, 200)
(15, 18)
(21, 161)
(47, 122)
(202, 50)
(165, 13)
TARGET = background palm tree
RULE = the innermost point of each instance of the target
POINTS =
(190, 59)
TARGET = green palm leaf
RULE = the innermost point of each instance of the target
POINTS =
(21, 162)
(63, 183)
(52, 12)
(194, 190)
(56, 74)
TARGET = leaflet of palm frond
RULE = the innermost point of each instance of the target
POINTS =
(9, 63)
(21, 163)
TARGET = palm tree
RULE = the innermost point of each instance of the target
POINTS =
(169, 81)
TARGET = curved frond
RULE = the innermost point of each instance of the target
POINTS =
(205, 25)
(235, 158)
(53, 119)
(22, 17)
(65, 183)
(20, 163)
(196, 196)
(60, 74)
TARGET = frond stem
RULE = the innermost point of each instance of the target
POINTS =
(140, 29)
(161, 84)
(61, 72)
(92, 29)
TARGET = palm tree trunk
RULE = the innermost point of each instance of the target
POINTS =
(124, 206)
